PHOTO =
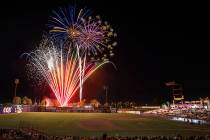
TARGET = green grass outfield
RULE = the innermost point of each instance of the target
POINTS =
(95, 124)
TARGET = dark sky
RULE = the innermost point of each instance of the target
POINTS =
(157, 42)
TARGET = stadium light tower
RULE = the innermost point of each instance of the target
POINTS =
(106, 91)
(17, 81)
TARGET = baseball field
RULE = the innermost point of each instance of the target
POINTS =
(95, 124)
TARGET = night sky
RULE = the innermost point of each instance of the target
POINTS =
(157, 42)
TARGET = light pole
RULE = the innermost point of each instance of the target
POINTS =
(106, 90)
(17, 81)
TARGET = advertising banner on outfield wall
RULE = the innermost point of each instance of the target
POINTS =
(10, 109)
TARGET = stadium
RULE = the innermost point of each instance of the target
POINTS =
(93, 70)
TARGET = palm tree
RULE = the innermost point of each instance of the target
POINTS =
(17, 81)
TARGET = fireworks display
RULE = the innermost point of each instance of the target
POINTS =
(94, 37)
(60, 68)
(91, 36)
(85, 44)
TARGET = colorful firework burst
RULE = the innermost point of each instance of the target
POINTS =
(92, 36)
(65, 22)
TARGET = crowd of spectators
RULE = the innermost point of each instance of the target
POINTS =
(31, 134)
(197, 113)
